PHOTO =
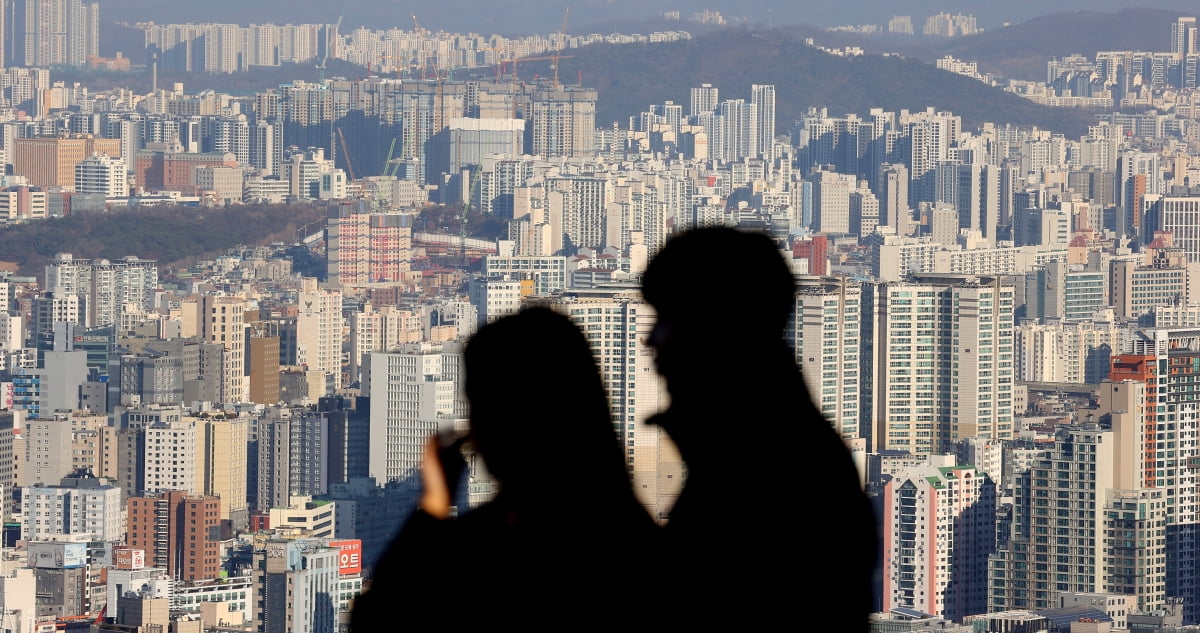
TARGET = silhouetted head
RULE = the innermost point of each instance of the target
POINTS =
(539, 414)
(713, 289)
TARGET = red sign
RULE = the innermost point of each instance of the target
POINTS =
(350, 557)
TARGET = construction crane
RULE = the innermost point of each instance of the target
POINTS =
(387, 162)
(562, 43)
(417, 26)
(472, 187)
(328, 46)
(346, 151)
(439, 103)
(550, 58)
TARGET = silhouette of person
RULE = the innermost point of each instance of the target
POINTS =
(772, 521)
(565, 523)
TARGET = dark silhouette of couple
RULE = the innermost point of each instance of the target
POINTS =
(772, 527)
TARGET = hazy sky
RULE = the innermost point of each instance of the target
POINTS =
(542, 16)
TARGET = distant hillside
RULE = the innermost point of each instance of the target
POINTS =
(544, 16)
(631, 77)
(167, 234)
(1020, 51)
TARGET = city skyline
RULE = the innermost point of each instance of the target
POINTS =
(998, 319)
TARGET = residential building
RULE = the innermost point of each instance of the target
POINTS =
(50, 161)
(415, 392)
(104, 175)
(180, 532)
(319, 332)
(296, 586)
(941, 349)
(617, 323)
(824, 331)
(79, 505)
(938, 530)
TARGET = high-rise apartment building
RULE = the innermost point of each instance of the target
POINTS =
(1184, 36)
(703, 100)
(930, 136)
(561, 122)
(580, 204)
(107, 286)
(1079, 527)
(319, 332)
(831, 201)
(892, 192)
(293, 456)
(171, 456)
(738, 132)
(1165, 440)
(179, 532)
(497, 297)
(901, 24)
(53, 32)
(942, 361)
(103, 175)
(1066, 351)
(415, 391)
(378, 329)
(79, 504)
(1181, 216)
(366, 247)
(220, 320)
(221, 463)
(617, 323)
(938, 530)
(762, 96)
(824, 331)
(296, 586)
(1058, 290)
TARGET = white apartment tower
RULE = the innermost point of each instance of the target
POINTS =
(170, 461)
(942, 361)
(703, 100)
(582, 206)
(107, 285)
(415, 392)
(740, 129)
(1066, 351)
(319, 332)
(763, 98)
(616, 323)
(1183, 36)
(56, 32)
(79, 505)
(824, 332)
(101, 174)
(930, 136)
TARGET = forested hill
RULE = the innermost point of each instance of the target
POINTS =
(629, 77)
(168, 234)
